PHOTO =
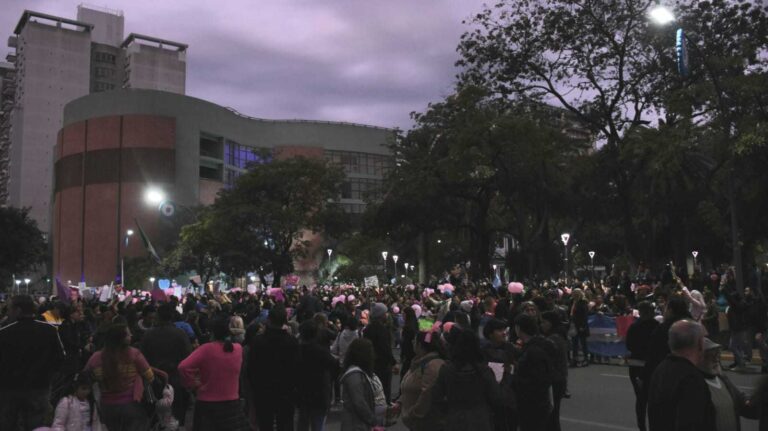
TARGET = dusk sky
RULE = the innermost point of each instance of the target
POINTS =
(361, 61)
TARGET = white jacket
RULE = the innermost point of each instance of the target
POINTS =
(67, 416)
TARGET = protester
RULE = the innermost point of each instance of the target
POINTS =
(466, 392)
(212, 371)
(121, 372)
(416, 397)
(728, 401)
(75, 411)
(534, 375)
(30, 354)
(678, 397)
(638, 343)
(317, 370)
(499, 352)
(359, 412)
(272, 363)
(381, 338)
(579, 317)
(165, 346)
(551, 329)
(410, 329)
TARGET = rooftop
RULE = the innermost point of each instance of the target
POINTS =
(36, 16)
(134, 37)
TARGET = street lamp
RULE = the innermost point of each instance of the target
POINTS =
(154, 196)
(152, 280)
(330, 252)
(661, 15)
(384, 256)
(26, 283)
(128, 234)
(394, 258)
(592, 263)
(406, 268)
(18, 282)
(695, 254)
(565, 237)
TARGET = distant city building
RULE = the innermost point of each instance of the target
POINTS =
(56, 60)
(114, 145)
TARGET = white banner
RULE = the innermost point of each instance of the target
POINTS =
(372, 281)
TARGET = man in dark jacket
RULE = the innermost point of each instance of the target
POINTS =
(638, 341)
(739, 328)
(532, 379)
(317, 370)
(678, 398)
(380, 336)
(165, 346)
(272, 365)
(30, 353)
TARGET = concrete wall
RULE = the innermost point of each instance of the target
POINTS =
(155, 68)
(53, 68)
(108, 26)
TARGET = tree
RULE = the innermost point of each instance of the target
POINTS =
(480, 168)
(23, 246)
(601, 61)
(259, 224)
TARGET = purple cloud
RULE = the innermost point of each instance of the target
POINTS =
(370, 62)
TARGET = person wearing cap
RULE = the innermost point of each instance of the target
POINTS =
(534, 375)
(678, 397)
(728, 401)
(381, 337)
(497, 349)
(638, 343)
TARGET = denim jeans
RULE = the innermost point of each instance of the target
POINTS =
(30, 407)
(739, 344)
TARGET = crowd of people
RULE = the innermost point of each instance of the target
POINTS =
(468, 356)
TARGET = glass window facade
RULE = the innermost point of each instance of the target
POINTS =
(360, 163)
(361, 188)
(240, 156)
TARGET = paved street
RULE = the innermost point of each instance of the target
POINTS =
(603, 400)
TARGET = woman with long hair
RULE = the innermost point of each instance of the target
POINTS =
(419, 379)
(466, 392)
(357, 387)
(121, 372)
(410, 329)
(212, 371)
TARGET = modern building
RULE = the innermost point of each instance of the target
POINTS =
(114, 145)
(56, 60)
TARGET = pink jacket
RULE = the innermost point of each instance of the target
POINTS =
(67, 416)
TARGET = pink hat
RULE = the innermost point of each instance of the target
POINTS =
(515, 287)
(447, 326)
(416, 310)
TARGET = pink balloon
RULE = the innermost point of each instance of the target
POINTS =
(515, 287)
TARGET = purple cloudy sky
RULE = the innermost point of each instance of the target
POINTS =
(363, 61)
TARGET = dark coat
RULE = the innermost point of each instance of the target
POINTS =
(678, 398)
(534, 375)
(30, 353)
(358, 399)
(639, 337)
(466, 397)
(165, 346)
(317, 371)
(381, 338)
(272, 363)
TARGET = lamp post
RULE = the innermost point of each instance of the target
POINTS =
(18, 282)
(384, 256)
(592, 263)
(152, 281)
(394, 258)
(406, 268)
(128, 235)
(330, 252)
(695, 254)
(565, 237)
(26, 284)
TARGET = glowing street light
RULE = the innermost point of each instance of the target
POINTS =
(695, 254)
(18, 282)
(406, 268)
(26, 283)
(661, 14)
(154, 196)
(565, 237)
(384, 256)
(394, 258)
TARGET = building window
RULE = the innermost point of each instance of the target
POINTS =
(104, 57)
(102, 86)
(210, 146)
(104, 72)
(360, 163)
(230, 177)
(361, 189)
(240, 156)
(210, 173)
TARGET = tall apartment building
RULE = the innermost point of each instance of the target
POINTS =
(55, 61)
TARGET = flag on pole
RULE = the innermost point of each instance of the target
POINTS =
(147, 243)
(63, 292)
